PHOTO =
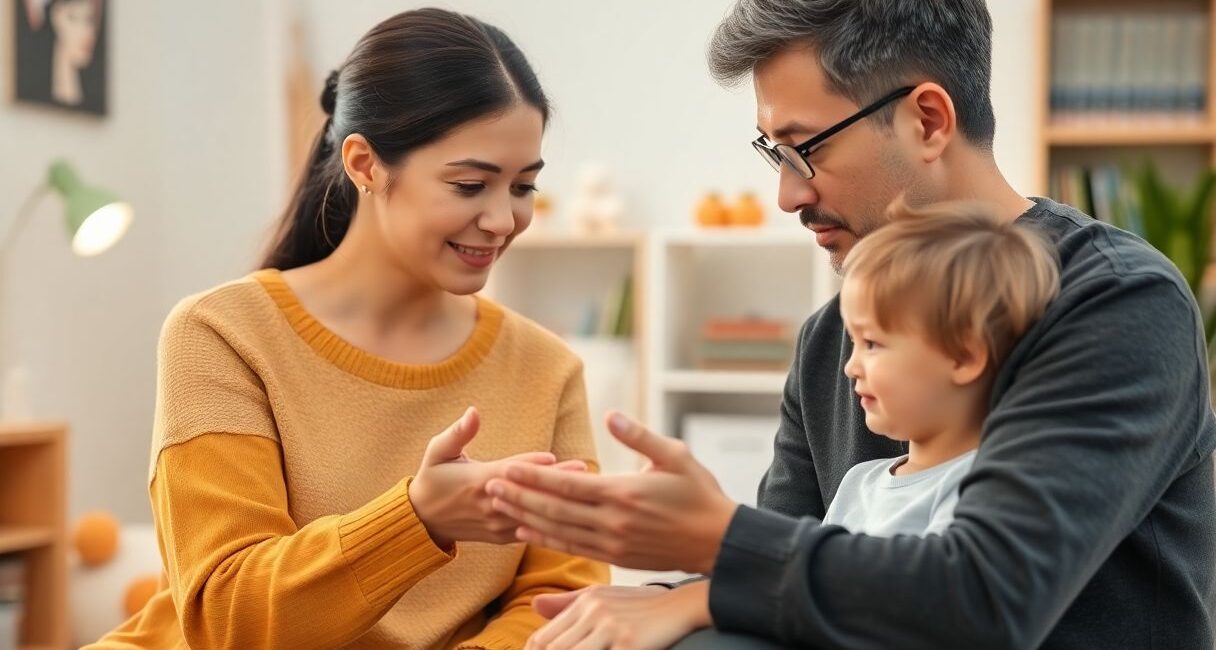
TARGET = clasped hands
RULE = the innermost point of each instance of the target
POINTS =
(672, 515)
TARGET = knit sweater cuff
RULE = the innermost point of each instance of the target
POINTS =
(489, 642)
(387, 546)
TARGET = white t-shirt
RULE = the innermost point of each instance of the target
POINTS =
(875, 502)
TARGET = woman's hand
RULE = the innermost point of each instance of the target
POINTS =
(636, 618)
(448, 493)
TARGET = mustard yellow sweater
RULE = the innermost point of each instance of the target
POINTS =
(280, 468)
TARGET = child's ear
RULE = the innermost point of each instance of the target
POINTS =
(973, 364)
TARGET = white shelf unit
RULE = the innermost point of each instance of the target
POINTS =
(680, 278)
(700, 274)
(552, 278)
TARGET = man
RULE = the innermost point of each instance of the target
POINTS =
(1089, 517)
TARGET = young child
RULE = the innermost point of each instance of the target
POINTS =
(933, 303)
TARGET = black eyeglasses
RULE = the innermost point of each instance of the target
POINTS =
(795, 155)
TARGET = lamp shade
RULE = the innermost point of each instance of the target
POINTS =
(95, 217)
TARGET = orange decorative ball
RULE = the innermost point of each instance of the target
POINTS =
(96, 538)
(747, 211)
(542, 205)
(712, 212)
(139, 592)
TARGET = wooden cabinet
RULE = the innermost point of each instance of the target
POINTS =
(33, 526)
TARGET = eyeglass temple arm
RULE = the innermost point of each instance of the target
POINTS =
(859, 115)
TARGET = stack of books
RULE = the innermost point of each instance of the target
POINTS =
(1148, 63)
(745, 344)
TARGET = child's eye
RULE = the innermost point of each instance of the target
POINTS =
(869, 345)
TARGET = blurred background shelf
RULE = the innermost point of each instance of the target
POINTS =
(724, 381)
(1131, 134)
(25, 538)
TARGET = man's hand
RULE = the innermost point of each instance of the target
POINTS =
(637, 618)
(672, 515)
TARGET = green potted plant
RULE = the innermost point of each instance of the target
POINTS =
(1179, 224)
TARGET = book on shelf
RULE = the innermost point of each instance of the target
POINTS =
(722, 329)
(12, 596)
(612, 315)
(1129, 64)
(623, 324)
(764, 351)
(12, 577)
(1105, 192)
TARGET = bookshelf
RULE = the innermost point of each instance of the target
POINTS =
(681, 278)
(1125, 81)
(695, 275)
(32, 526)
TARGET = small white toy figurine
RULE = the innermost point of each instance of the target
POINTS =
(596, 207)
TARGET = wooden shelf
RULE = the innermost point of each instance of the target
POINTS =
(32, 498)
(1113, 135)
(14, 539)
(725, 382)
(29, 433)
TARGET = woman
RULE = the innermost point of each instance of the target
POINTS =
(300, 499)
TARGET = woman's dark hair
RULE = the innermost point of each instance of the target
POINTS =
(408, 82)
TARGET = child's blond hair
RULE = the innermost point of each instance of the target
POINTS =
(953, 271)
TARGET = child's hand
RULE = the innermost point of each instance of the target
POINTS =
(449, 496)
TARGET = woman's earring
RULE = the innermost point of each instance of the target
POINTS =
(363, 188)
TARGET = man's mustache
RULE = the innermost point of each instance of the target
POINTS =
(812, 217)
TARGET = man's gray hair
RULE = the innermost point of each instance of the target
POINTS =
(868, 48)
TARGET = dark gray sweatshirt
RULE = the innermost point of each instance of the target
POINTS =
(1087, 521)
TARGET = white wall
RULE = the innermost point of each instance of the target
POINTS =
(631, 89)
(221, 133)
(195, 141)
(1014, 90)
